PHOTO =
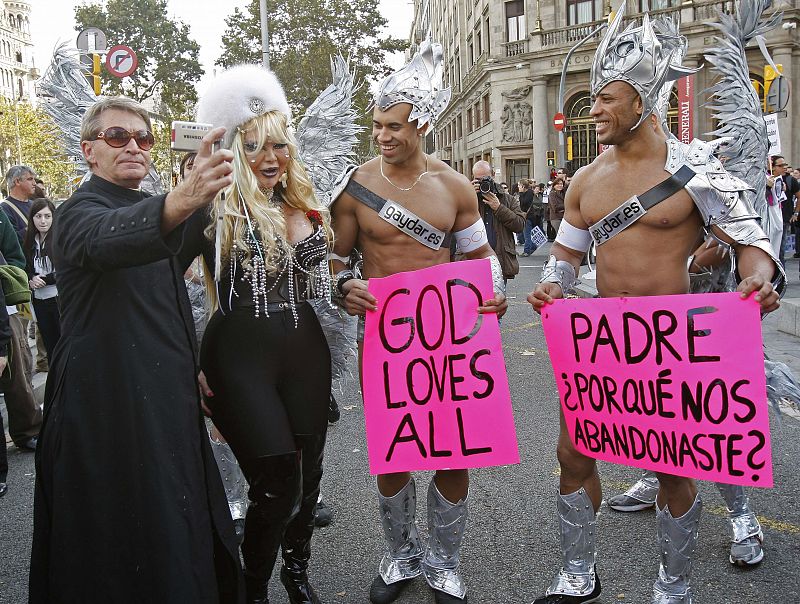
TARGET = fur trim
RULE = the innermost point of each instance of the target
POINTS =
(238, 95)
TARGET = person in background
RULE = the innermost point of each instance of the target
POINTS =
(5, 340)
(556, 203)
(42, 274)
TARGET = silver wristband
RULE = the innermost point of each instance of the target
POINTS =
(561, 272)
(340, 278)
(498, 282)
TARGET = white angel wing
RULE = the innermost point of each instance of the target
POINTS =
(735, 103)
(328, 132)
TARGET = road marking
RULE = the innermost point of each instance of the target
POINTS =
(520, 328)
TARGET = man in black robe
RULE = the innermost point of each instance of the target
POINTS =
(129, 505)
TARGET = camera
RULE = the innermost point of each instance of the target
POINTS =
(487, 185)
(188, 136)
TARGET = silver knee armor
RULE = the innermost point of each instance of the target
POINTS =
(446, 525)
(577, 522)
(232, 478)
(402, 560)
(677, 539)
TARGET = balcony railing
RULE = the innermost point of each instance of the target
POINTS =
(516, 48)
(702, 10)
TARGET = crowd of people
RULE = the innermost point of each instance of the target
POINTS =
(132, 497)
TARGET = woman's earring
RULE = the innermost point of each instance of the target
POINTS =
(252, 161)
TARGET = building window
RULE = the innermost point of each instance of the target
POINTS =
(486, 109)
(648, 5)
(515, 21)
(580, 11)
(516, 170)
(476, 111)
(469, 120)
(470, 52)
(580, 128)
(478, 42)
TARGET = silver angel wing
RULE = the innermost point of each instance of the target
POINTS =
(668, 32)
(66, 95)
(328, 131)
(735, 103)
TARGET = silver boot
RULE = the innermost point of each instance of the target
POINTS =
(677, 538)
(746, 534)
(232, 478)
(577, 525)
(640, 496)
(402, 560)
(446, 525)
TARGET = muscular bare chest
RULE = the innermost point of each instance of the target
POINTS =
(607, 193)
(428, 200)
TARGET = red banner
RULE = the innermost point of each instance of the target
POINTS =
(686, 109)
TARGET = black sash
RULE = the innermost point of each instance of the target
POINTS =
(375, 202)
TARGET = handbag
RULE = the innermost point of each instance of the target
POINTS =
(14, 282)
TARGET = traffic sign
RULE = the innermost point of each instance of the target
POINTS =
(90, 40)
(778, 95)
(559, 121)
(121, 61)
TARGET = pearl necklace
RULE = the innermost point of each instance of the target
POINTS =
(386, 178)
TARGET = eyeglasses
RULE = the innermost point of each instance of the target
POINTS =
(118, 137)
(779, 165)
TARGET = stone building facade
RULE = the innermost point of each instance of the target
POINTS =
(17, 72)
(503, 60)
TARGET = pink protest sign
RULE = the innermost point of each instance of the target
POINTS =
(434, 379)
(668, 383)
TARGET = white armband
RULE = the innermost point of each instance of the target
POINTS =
(573, 237)
(471, 238)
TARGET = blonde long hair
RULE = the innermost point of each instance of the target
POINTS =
(246, 204)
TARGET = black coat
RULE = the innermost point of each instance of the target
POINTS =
(129, 505)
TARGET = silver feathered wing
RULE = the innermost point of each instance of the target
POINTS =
(326, 137)
(328, 131)
(737, 107)
(66, 95)
(735, 103)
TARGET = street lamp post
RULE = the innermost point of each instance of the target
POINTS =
(264, 34)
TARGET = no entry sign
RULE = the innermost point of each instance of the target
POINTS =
(559, 121)
(121, 61)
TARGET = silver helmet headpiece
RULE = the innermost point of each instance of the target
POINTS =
(419, 84)
(641, 57)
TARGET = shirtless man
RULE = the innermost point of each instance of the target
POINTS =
(446, 200)
(647, 257)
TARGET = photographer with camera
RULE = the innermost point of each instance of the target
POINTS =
(501, 215)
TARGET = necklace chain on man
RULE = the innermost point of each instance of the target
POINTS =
(386, 178)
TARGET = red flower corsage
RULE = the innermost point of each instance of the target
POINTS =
(314, 216)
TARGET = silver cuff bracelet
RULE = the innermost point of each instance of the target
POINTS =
(561, 272)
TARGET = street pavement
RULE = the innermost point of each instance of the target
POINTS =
(511, 549)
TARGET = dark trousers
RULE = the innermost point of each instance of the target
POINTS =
(3, 452)
(48, 318)
(24, 414)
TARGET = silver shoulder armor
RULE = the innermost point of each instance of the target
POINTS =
(341, 182)
(721, 198)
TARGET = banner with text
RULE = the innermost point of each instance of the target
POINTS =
(673, 384)
(686, 109)
(435, 386)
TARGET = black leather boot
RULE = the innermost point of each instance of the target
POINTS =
(275, 489)
(296, 543)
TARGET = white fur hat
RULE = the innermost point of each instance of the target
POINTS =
(238, 95)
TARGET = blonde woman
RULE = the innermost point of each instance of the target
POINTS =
(264, 355)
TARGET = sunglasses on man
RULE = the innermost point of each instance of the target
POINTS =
(118, 137)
